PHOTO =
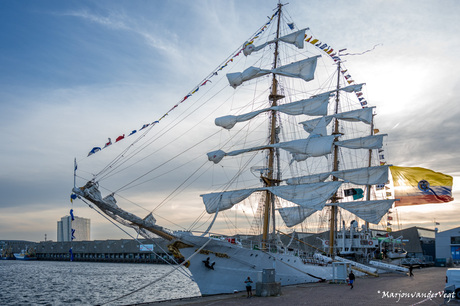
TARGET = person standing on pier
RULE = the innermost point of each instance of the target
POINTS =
(351, 277)
(410, 271)
(248, 282)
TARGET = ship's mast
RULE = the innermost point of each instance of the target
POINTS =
(368, 187)
(333, 219)
(269, 181)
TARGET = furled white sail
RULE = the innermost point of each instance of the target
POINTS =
(295, 215)
(370, 211)
(368, 142)
(309, 147)
(364, 176)
(314, 106)
(312, 196)
(304, 70)
(363, 114)
(150, 219)
(295, 38)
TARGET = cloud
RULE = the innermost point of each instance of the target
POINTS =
(112, 21)
(92, 72)
(119, 20)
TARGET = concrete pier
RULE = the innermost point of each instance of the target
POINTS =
(124, 250)
(425, 288)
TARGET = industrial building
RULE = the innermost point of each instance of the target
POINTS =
(81, 227)
(448, 246)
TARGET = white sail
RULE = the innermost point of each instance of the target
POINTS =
(309, 147)
(370, 211)
(314, 106)
(312, 196)
(307, 179)
(295, 38)
(304, 70)
(307, 195)
(225, 200)
(359, 176)
(369, 142)
(353, 88)
(227, 122)
(363, 115)
(364, 176)
(320, 129)
(295, 215)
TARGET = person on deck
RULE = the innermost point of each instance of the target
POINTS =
(248, 282)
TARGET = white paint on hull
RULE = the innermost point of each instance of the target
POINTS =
(230, 272)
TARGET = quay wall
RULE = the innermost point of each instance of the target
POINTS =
(124, 250)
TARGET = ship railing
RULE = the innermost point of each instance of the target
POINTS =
(275, 248)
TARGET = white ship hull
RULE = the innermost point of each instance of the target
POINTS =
(233, 264)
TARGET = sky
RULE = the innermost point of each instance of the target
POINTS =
(74, 72)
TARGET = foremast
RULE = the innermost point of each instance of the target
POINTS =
(269, 181)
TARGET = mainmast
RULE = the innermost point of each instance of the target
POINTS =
(333, 220)
(269, 180)
(369, 187)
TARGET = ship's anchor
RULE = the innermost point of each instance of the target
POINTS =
(209, 265)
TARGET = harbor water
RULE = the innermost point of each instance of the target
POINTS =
(89, 283)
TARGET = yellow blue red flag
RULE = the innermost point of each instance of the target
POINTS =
(415, 185)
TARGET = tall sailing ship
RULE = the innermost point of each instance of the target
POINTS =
(296, 145)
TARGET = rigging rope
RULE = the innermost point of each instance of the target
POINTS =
(154, 139)
(177, 188)
(103, 215)
(203, 82)
(169, 160)
(362, 52)
(161, 277)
